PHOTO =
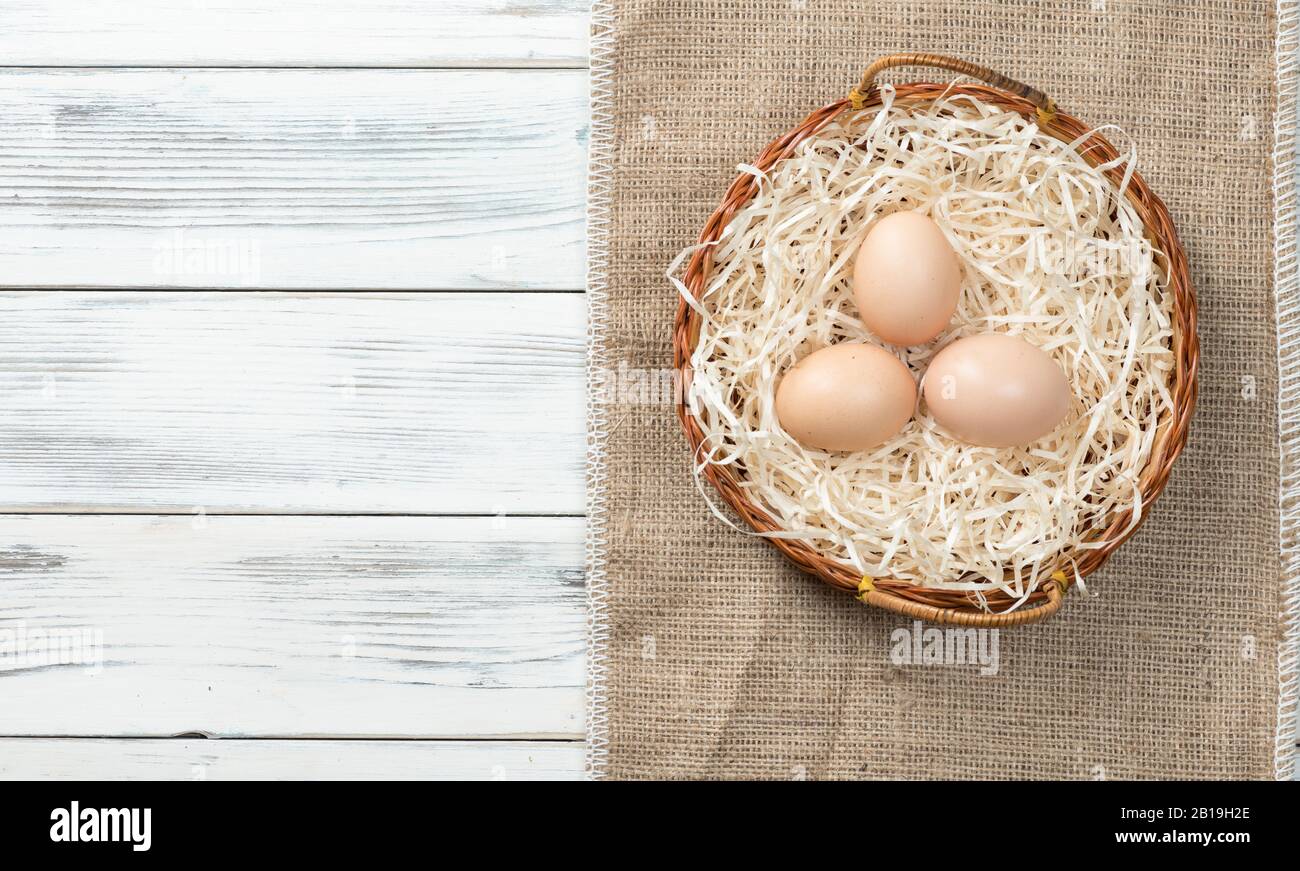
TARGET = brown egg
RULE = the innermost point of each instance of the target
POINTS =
(847, 397)
(906, 280)
(996, 390)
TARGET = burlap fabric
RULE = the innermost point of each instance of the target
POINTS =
(712, 658)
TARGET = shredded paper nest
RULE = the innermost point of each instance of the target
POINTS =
(1051, 251)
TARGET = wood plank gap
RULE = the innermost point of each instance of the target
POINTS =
(525, 65)
(302, 291)
(388, 739)
(450, 515)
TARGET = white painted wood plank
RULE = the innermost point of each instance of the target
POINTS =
(293, 179)
(183, 759)
(233, 759)
(291, 626)
(389, 33)
(456, 403)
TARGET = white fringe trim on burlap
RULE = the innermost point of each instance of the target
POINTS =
(600, 175)
(1287, 289)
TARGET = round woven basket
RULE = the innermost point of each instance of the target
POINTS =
(906, 597)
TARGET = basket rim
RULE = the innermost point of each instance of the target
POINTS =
(904, 597)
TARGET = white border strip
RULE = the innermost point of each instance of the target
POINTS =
(599, 182)
(1286, 287)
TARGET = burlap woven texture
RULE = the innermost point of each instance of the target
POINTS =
(723, 661)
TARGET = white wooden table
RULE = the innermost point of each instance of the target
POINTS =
(291, 351)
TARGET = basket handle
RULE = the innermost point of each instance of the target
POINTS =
(1054, 588)
(1045, 105)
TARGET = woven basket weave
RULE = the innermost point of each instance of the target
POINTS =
(901, 596)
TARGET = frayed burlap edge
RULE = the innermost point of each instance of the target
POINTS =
(1287, 291)
(599, 186)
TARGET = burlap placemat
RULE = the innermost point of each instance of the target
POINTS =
(711, 657)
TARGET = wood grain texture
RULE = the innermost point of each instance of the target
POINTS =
(305, 33)
(458, 403)
(183, 759)
(293, 179)
(282, 627)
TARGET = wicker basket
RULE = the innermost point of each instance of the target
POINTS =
(904, 597)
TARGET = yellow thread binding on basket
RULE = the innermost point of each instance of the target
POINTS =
(1046, 115)
(1061, 579)
(864, 586)
(856, 98)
